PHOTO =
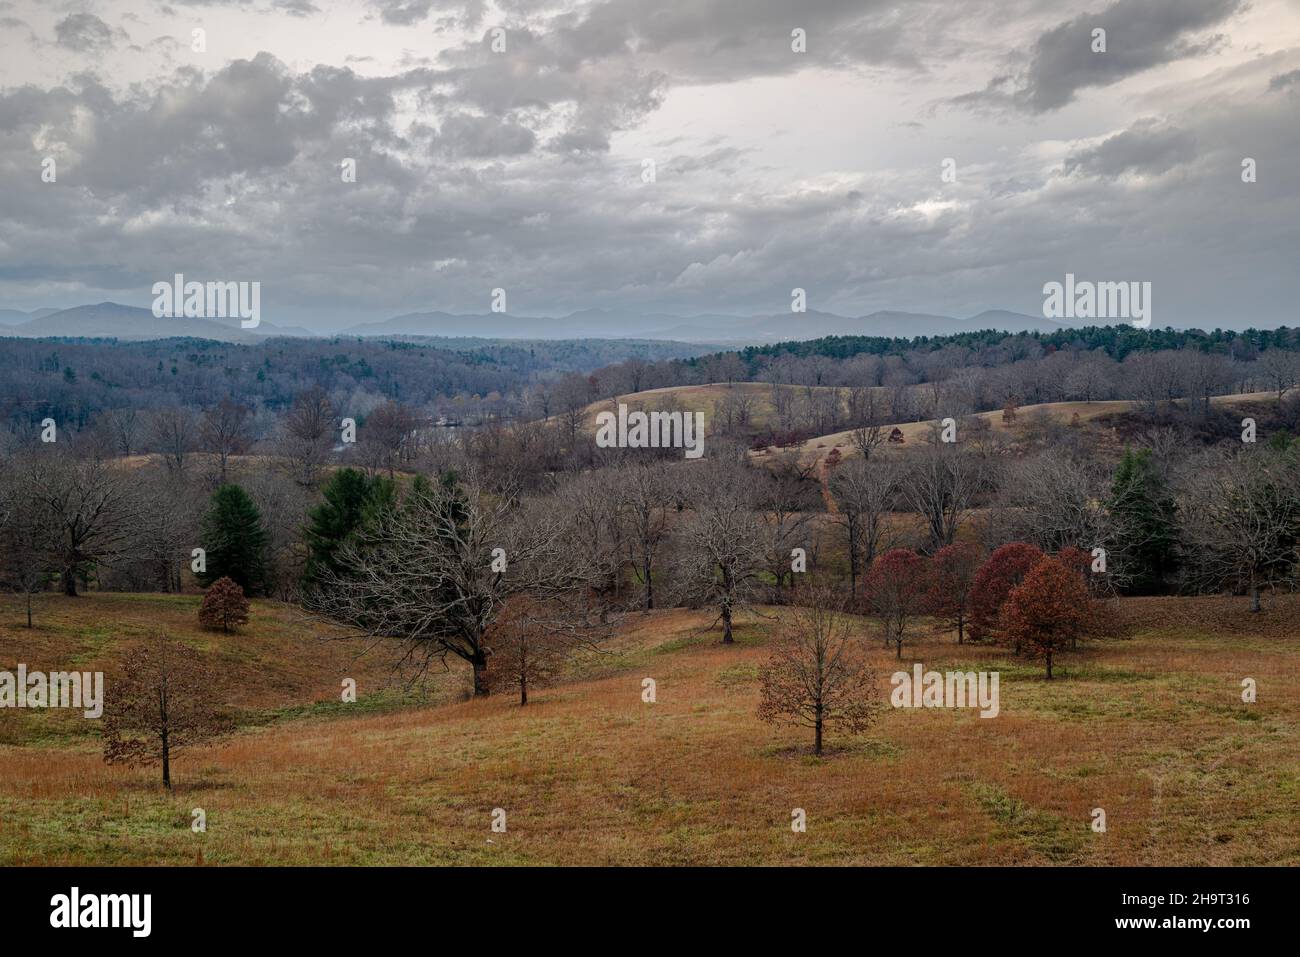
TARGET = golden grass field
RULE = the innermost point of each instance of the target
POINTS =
(1152, 729)
(701, 398)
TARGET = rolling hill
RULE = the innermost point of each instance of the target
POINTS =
(701, 398)
(1060, 412)
(588, 773)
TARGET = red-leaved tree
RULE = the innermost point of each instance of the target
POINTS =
(224, 605)
(1004, 570)
(1048, 611)
(1079, 562)
(895, 591)
(952, 577)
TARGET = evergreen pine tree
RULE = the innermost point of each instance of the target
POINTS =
(1146, 530)
(234, 538)
(351, 501)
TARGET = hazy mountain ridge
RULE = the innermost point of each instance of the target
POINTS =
(605, 324)
(113, 320)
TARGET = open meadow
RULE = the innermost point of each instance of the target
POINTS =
(1151, 728)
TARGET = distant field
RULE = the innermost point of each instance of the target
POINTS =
(1061, 412)
(701, 398)
(1151, 729)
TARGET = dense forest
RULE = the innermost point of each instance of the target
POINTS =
(72, 381)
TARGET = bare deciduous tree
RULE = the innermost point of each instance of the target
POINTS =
(865, 492)
(1241, 520)
(644, 493)
(308, 434)
(531, 643)
(1055, 501)
(24, 534)
(435, 571)
(174, 434)
(124, 425)
(1280, 368)
(784, 516)
(224, 431)
(941, 483)
(722, 555)
(91, 510)
(164, 701)
(816, 675)
(388, 436)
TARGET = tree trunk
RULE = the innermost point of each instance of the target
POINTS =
(1254, 598)
(898, 644)
(69, 583)
(961, 628)
(523, 691)
(649, 585)
(726, 625)
(166, 744)
(29, 609)
(853, 560)
(1049, 666)
(479, 661)
(817, 737)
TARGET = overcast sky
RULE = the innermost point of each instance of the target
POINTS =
(522, 169)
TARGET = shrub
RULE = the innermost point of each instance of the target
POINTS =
(224, 606)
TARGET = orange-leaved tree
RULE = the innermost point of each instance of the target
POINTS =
(1048, 611)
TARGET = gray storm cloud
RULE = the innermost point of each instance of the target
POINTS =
(523, 169)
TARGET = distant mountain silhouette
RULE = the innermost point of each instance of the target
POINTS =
(14, 317)
(111, 320)
(606, 324)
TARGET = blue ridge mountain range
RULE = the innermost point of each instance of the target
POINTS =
(113, 320)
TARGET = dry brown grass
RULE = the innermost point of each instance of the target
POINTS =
(1152, 729)
(697, 398)
(914, 433)
(277, 661)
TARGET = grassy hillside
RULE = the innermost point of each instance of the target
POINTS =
(701, 398)
(1151, 729)
(1089, 413)
(1099, 416)
(277, 666)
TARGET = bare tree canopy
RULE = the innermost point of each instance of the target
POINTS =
(1241, 520)
(435, 571)
(164, 701)
(817, 674)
